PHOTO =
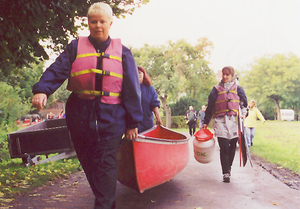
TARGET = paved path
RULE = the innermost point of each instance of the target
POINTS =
(198, 186)
(201, 186)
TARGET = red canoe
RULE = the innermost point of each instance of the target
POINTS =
(155, 157)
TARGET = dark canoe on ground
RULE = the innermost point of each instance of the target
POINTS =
(156, 156)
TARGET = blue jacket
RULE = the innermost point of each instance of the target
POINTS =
(105, 120)
(149, 102)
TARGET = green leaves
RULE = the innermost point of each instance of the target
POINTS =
(178, 68)
(25, 23)
(274, 78)
(11, 105)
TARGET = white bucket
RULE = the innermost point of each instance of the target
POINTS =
(204, 150)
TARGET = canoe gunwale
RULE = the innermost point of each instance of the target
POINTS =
(142, 138)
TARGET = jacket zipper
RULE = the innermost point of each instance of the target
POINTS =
(96, 121)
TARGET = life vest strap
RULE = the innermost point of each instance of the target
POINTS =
(222, 111)
(227, 110)
(88, 55)
(230, 91)
(102, 72)
(97, 93)
(103, 54)
(227, 100)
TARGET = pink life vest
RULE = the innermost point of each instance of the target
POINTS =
(84, 69)
(227, 102)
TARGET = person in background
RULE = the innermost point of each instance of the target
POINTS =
(223, 107)
(201, 115)
(191, 117)
(150, 102)
(50, 116)
(104, 104)
(61, 115)
(250, 122)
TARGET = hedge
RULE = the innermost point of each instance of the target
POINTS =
(177, 121)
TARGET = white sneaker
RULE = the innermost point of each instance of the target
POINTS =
(226, 177)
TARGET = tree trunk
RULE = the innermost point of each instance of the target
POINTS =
(168, 111)
(277, 109)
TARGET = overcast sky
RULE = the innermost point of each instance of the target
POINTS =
(240, 30)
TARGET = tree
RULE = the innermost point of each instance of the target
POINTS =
(180, 107)
(24, 79)
(25, 24)
(62, 94)
(11, 105)
(199, 82)
(274, 78)
(22, 83)
(172, 68)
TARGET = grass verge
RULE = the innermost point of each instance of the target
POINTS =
(278, 142)
(16, 178)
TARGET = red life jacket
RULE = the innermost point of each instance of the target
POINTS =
(227, 102)
(84, 70)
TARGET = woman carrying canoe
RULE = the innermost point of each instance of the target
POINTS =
(150, 102)
(223, 106)
(105, 102)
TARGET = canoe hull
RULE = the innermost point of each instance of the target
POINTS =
(143, 164)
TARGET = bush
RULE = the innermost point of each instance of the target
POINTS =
(4, 151)
(177, 121)
(180, 107)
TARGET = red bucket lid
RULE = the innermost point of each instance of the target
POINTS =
(203, 135)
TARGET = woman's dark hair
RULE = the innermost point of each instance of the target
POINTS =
(146, 80)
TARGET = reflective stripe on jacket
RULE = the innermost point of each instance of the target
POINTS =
(227, 102)
(84, 70)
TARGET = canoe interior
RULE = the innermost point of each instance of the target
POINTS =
(46, 137)
(161, 132)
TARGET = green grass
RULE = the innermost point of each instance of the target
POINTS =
(16, 178)
(278, 142)
(181, 129)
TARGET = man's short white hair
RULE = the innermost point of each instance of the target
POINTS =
(100, 7)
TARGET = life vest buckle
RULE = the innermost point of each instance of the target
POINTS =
(105, 93)
(105, 72)
(105, 55)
